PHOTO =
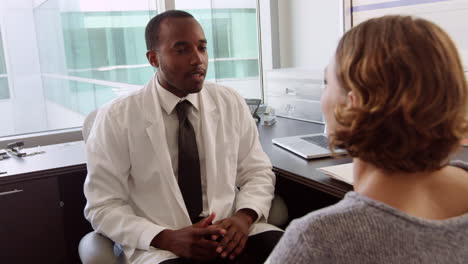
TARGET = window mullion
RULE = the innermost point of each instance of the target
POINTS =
(164, 5)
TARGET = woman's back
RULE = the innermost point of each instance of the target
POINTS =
(362, 230)
(445, 196)
(435, 195)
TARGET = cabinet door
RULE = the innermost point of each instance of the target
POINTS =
(75, 224)
(31, 229)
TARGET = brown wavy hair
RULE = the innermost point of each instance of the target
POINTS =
(411, 94)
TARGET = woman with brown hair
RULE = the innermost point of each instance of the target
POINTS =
(396, 99)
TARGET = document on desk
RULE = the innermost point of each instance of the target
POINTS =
(342, 172)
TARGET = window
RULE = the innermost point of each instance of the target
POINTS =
(101, 53)
(4, 90)
(68, 57)
(84, 53)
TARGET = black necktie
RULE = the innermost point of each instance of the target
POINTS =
(189, 163)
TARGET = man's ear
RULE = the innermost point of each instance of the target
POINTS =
(152, 58)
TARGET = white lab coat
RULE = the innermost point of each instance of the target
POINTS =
(131, 190)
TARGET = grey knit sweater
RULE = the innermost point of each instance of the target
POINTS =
(361, 230)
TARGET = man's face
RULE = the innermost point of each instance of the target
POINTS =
(180, 56)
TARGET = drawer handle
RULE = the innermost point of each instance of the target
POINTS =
(10, 192)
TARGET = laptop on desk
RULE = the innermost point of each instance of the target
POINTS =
(308, 146)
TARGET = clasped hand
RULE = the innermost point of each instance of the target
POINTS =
(237, 232)
(205, 241)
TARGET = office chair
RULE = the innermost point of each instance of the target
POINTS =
(95, 248)
(88, 124)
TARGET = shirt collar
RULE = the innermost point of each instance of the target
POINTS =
(169, 100)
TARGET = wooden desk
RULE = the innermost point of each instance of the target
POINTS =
(41, 203)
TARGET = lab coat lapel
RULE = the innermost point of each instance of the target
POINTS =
(157, 135)
(209, 125)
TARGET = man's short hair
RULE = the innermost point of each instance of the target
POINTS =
(154, 25)
(411, 94)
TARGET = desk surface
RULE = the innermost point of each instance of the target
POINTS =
(56, 159)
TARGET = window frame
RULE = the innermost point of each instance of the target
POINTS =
(347, 15)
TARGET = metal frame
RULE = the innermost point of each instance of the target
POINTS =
(260, 56)
(347, 15)
(3, 35)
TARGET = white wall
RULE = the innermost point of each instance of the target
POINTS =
(309, 31)
(248, 88)
(450, 15)
(6, 118)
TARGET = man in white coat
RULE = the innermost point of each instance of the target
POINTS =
(176, 173)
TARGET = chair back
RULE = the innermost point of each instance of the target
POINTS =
(88, 124)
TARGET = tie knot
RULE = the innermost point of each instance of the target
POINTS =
(182, 110)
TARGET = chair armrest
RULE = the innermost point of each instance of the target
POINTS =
(278, 212)
(96, 249)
